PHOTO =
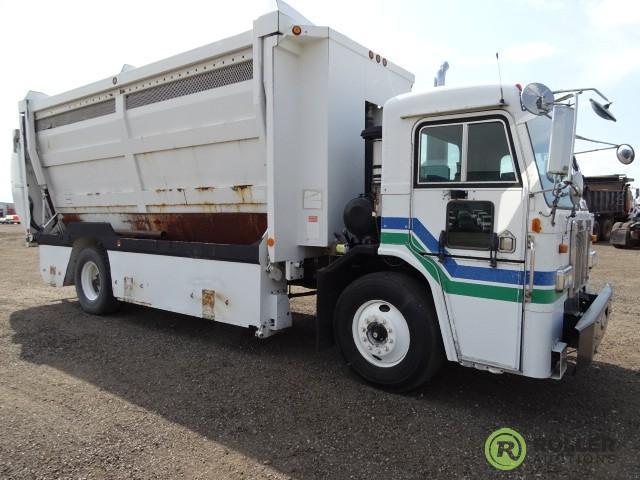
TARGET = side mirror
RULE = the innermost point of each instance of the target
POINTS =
(561, 144)
(537, 98)
(625, 154)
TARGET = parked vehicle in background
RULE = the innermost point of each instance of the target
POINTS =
(610, 199)
(10, 219)
(627, 234)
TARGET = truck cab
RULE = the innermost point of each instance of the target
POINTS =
(502, 246)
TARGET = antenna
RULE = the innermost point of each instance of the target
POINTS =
(502, 102)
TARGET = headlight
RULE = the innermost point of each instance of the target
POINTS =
(564, 278)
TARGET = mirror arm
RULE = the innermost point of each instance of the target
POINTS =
(580, 137)
(580, 90)
(596, 150)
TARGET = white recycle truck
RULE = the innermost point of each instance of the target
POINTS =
(440, 225)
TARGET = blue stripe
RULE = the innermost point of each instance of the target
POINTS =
(396, 223)
(487, 274)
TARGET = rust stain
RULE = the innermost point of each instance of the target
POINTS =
(244, 192)
(163, 190)
(205, 189)
(208, 304)
(236, 228)
(68, 218)
(222, 299)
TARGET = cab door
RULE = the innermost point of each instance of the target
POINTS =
(468, 220)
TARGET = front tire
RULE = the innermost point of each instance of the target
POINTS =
(93, 282)
(386, 328)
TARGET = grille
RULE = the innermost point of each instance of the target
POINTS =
(78, 115)
(580, 241)
(234, 73)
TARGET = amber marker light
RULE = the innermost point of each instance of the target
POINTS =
(563, 248)
(297, 29)
(536, 225)
(271, 242)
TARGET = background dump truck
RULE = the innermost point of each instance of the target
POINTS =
(610, 199)
(211, 182)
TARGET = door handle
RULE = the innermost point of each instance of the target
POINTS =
(442, 240)
(493, 250)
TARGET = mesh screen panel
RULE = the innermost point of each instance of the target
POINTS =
(79, 114)
(234, 73)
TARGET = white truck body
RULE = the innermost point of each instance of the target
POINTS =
(214, 179)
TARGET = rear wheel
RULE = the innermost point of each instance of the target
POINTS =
(93, 282)
(605, 232)
(386, 328)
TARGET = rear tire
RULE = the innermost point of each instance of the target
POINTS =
(605, 233)
(93, 282)
(386, 328)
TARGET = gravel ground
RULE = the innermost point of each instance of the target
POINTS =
(148, 394)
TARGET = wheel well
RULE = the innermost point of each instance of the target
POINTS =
(334, 278)
(77, 247)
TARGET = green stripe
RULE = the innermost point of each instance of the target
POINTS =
(456, 287)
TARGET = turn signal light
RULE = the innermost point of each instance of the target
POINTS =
(563, 248)
(536, 225)
(594, 238)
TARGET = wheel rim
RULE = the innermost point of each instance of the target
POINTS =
(90, 278)
(381, 333)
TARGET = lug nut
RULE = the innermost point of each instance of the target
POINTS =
(391, 340)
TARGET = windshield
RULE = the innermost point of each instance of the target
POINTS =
(540, 135)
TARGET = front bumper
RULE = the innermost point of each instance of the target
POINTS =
(586, 329)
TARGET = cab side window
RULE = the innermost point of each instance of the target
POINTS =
(488, 155)
(473, 152)
(440, 154)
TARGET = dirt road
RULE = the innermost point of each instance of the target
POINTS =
(148, 394)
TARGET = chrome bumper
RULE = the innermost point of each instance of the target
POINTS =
(592, 325)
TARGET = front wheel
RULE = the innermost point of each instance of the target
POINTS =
(93, 282)
(386, 328)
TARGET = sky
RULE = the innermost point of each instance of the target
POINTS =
(54, 46)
